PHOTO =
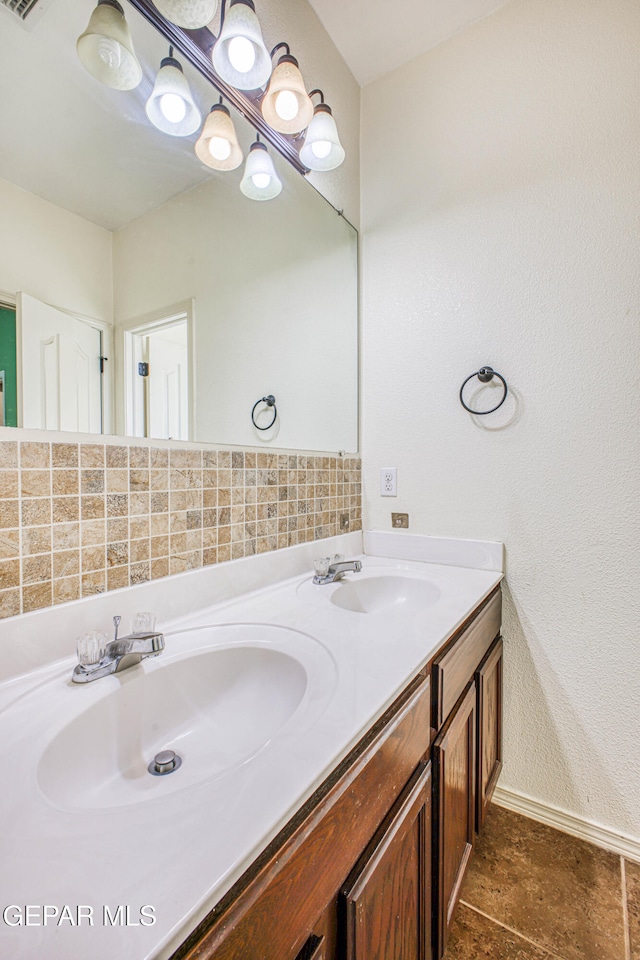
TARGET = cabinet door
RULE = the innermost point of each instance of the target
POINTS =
(454, 815)
(386, 902)
(489, 729)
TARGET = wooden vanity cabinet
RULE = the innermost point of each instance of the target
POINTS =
(467, 752)
(371, 866)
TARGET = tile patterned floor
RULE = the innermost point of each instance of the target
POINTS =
(534, 893)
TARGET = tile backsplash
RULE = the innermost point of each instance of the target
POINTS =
(78, 519)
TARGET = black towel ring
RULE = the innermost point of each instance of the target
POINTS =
(484, 375)
(270, 402)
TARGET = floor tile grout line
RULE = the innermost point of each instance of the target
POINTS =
(534, 943)
(625, 910)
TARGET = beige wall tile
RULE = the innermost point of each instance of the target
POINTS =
(92, 583)
(159, 457)
(66, 535)
(93, 558)
(66, 590)
(160, 568)
(117, 554)
(36, 540)
(9, 574)
(139, 572)
(139, 457)
(34, 456)
(65, 482)
(9, 544)
(9, 603)
(117, 529)
(8, 454)
(139, 527)
(93, 532)
(92, 455)
(64, 455)
(92, 481)
(37, 596)
(36, 512)
(35, 483)
(117, 577)
(117, 481)
(9, 484)
(148, 512)
(66, 563)
(117, 456)
(36, 569)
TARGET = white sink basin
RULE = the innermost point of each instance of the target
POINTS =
(216, 708)
(384, 590)
(385, 594)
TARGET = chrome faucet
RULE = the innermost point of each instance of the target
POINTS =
(337, 570)
(120, 654)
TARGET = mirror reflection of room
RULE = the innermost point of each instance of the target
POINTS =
(116, 226)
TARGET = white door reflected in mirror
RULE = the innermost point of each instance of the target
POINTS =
(60, 378)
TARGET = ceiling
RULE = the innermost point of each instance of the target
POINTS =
(375, 36)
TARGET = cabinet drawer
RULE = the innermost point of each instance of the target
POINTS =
(272, 910)
(456, 666)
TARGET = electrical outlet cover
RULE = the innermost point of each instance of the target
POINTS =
(389, 482)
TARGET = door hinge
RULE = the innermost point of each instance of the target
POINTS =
(102, 362)
(143, 369)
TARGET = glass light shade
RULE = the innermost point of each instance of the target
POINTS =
(322, 149)
(239, 56)
(217, 132)
(190, 14)
(105, 49)
(260, 180)
(171, 107)
(286, 106)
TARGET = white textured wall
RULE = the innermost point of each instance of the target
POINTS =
(500, 201)
(54, 255)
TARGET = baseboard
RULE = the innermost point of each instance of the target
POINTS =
(609, 839)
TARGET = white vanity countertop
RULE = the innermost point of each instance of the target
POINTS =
(182, 850)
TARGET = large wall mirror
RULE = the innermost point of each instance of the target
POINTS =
(116, 242)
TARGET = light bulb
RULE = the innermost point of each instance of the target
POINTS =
(321, 149)
(286, 105)
(109, 52)
(173, 107)
(261, 180)
(241, 54)
(219, 148)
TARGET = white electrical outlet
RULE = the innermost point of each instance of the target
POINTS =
(389, 482)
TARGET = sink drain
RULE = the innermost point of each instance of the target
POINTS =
(164, 763)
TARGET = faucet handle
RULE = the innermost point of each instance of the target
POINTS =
(116, 624)
(90, 648)
(321, 566)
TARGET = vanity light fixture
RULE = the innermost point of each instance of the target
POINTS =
(217, 146)
(322, 149)
(171, 107)
(239, 55)
(287, 106)
(190, 14)
(260, 180)
(106, 50)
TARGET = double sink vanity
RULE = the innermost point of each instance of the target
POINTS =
(339, 744)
